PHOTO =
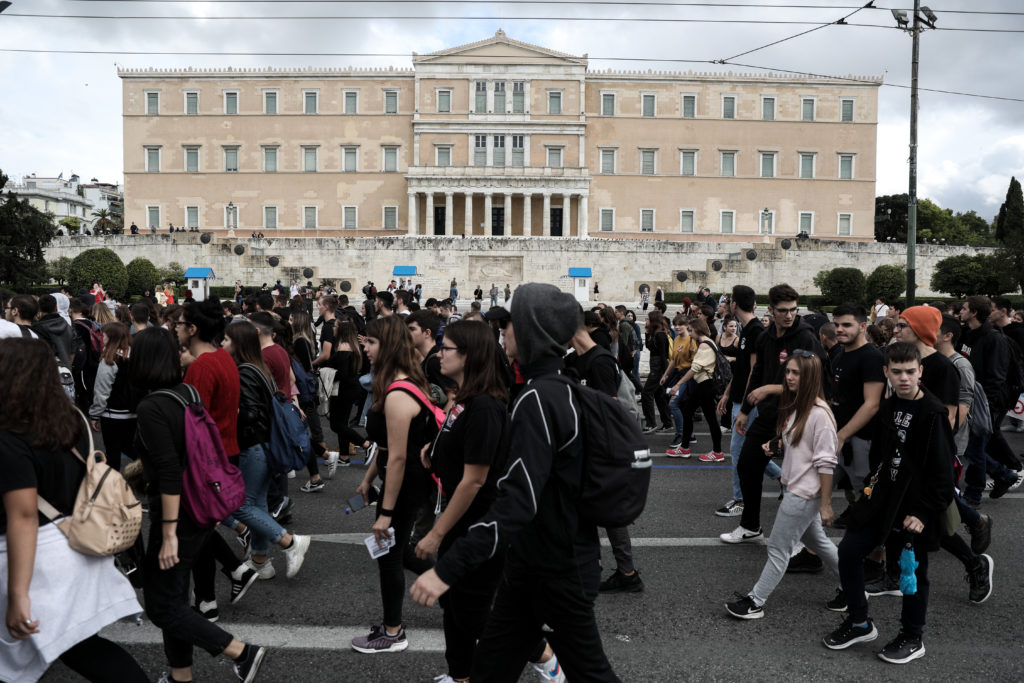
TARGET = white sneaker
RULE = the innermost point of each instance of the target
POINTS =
(730, 509)
(295, 555)
(291, 474)
(1020, 480)
(332, 463)
(547, 674)
(264, 571)
(741, 535)
(444, 678)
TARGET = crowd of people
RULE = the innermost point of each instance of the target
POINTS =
(473, 456)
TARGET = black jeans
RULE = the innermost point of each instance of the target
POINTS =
(466, 608)
(702, 395)
(750, 469)
(99, 660)
(316, 436)
(166, 594)
(997, 446)
(204, 568)
(654, 394)
(340, 412)
(391, 567)
(118, 438)
(526, 603)
(855, 546)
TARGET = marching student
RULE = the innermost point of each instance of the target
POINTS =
(657, 342)
(702, 393)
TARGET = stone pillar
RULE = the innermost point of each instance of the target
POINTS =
(566, 205)
(581, 215)
(469, 214)
(547, 215)
(528, 214)
(507, 229)
(449, 214)
(487, 213)
(414, 226)
(430, 212)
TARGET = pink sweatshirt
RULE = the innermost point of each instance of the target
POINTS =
(814, 455)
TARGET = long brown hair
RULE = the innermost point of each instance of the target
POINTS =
(33, 402)
(656, 322)
(119, 342)
(346, 332)
(480, 375)
(245, 346)
(807, 395)
(610, 321)
(102, 314)
(397, 355)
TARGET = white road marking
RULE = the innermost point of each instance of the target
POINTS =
(648, 542)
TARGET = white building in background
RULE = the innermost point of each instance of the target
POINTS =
(56, 196)
(105, 196)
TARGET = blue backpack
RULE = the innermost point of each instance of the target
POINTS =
(289, 439)
(304, 382)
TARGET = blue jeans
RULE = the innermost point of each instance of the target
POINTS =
(736, 446)
(677, 412)
(253, 463)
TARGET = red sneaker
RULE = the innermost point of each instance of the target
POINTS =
(678, 452)
(713, 456)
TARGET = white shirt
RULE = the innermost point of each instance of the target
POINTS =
(880, 311)
(293, 291)
(9, 330)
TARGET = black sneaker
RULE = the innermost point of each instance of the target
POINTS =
(208, 610)
(848, 634)
(283, 512)
(981, 534)
(1000, 488)
(837, 603)
(903, 648)
(805, 563)
(744, 607)
(887, 585)
(650, 430)
(622, 583)
(245, 540)
(981, 580)
(248, 664)
(241, 579)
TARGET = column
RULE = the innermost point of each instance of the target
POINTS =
(527, 214)
(566, 199)
(547, 214)
(430, 212)
(581, 216)
(469, 214)
(487, 213)
(449, 211)
(507, 229)
(414, 226)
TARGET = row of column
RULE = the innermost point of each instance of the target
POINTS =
(449, 213)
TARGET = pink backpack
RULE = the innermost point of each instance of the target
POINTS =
(439, 415)
(211, 488)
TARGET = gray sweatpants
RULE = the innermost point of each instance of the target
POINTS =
(798, 521)
(859, 467)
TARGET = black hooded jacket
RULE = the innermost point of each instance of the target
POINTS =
(254, 407)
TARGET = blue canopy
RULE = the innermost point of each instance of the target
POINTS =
(199, 273)
(404, 271)
(580, 272)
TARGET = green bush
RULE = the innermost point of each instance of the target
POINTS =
(887, 281)
(965, 275)
(142, 275)
(102, 266)
(842, 285)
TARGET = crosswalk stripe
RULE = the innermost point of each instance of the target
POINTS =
(644, 542)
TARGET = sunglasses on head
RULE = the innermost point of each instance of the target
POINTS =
(801, 353)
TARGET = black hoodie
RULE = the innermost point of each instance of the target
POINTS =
(989, 356)
(57, 333)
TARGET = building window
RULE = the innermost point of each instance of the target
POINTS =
(309, 159)
(390, 159)
(192, 103)
(807, 109)
(152, 159)
(270, 217)
(729, 107)
(767, 108)
(646, 220)
(767, 164)
(807, 166)
(689, 106)
(444, 155)
(647, 105)
(153, 103)
(350, 159)
(309, 101)
(270, 159)
(728, 164)
(767, 223)
(607, 104)
(231, 102)
(845, 224)
(349, 215)
(807, 222)
(444, 101)
(191, 160)
(608, 161)
(270, 102)
(686, 221)
(607, 220)
(153, 215)
(480, 105)
(231, 159)
(518, 97)
(647, 157)
(480, 151)
(191, 216)
(554, 101)
(846, 110)
(309, 217)
(499, 97)
(390, 101)
(727, 222)
(555, 157)
(390, 217)
(498, 157)
(351, 102)
(846, 167)
(688, 162)
(518, 150)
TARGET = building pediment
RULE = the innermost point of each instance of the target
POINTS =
(499, 49)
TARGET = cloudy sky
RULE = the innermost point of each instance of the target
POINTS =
(62, 112)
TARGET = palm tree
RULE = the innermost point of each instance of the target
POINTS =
(103, 222)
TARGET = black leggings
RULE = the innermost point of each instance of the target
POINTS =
(654, 394)
(316, 437)
(341, 411)
(214, 550)
(702, 395)
(99, 660)
(118, 438)
(391, 566)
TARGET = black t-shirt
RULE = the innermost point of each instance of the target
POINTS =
(940, 377)
(596, 369)
(475, 433)
(602, 337)
(746, 347)
(327, 333)
(422, 429)
(851, 370)
(55, 475)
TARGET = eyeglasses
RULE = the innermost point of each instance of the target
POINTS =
(786, 311)
(801, 353)
(444, 348)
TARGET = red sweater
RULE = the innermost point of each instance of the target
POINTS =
(215, 377)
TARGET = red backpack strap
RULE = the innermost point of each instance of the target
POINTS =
(418, 393)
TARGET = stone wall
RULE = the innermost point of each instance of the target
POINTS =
(620, 266)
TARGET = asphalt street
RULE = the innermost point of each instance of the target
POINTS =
(676, 630)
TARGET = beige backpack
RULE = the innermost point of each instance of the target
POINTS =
(107, 516)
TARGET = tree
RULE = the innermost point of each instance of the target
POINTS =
(173, 273)
(102, 266)
(103, 223)
(840, 285)
(1010, 233)
(72, 225)
(142, 275)
(891, 218)
(59, 271)
(965, 275)
(25, 232)
(886, 281)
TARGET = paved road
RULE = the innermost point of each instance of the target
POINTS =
(676, 630)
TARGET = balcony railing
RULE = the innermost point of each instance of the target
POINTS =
(498, 171)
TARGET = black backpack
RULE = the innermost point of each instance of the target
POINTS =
(616, 471)
(723, 371)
